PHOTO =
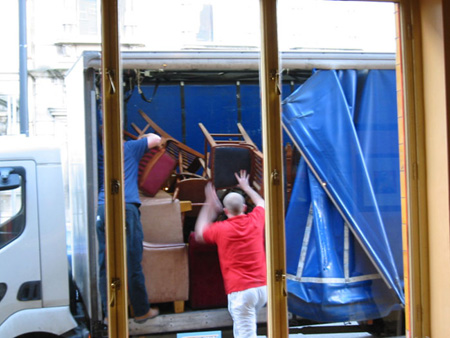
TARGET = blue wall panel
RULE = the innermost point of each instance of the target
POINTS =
(214, 105)
(251, 112)
(164, 109)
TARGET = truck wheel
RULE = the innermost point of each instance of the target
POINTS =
(375, 327)
(38, 335)
(392, 325)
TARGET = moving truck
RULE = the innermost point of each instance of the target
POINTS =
(48, 247)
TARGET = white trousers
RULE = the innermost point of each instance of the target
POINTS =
(243, 307)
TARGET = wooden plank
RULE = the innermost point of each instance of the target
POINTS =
(188, 321)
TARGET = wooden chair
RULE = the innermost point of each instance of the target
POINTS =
(155, 169)
(188, 159)
(227, 153)
(191, 189)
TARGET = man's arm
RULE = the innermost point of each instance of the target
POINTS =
(242, 179)
(208, 212)
(153, 140)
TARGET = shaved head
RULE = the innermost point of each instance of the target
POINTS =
(234, 203)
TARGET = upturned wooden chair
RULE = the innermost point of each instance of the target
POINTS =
(228, 153)
(189, 160)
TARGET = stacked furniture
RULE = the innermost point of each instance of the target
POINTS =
(206, 289)
(165, 257)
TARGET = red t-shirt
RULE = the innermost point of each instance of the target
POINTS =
(240, 243)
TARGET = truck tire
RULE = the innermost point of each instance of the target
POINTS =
(390, 326)
(38, 335)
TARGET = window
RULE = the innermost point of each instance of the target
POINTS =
(12, 206)
(88, 17)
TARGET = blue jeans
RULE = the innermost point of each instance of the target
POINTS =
(136, 279)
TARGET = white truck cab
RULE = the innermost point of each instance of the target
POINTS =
(34, 273)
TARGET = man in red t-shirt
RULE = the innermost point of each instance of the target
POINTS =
(240, 244)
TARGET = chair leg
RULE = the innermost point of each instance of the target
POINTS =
(178, 306)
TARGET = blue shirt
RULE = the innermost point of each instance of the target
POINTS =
(133, 151)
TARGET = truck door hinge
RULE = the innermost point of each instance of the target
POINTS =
(115, 286)
(275, 76)
(110, 74)
(279, 275)
(275, 176)
(115, 185)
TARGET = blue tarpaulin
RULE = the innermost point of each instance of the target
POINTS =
(343, 223)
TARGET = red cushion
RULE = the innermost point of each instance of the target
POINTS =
(206, 288)
(155, 168)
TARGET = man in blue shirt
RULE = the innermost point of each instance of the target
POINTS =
(133, 152)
